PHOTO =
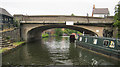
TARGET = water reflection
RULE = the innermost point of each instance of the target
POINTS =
(59, 50)
(55, 51)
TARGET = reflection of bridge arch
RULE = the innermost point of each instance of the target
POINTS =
(35, 33)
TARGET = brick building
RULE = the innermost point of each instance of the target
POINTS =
(100, 12)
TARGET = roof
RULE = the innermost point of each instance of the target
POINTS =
(101, 11)
(4, 12)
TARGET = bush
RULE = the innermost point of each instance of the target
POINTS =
(8, 37)
(45, 35)
(58, 32)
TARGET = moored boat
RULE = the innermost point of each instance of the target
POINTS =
(72, 38)
(107, 46)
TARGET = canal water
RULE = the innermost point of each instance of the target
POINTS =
(55, 51)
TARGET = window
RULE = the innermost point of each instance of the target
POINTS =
(80, 39)
(112, 44)
(85, 39)
(95, 41)
(5, 19)
(9, 19)
(118, 42)
(106, 43)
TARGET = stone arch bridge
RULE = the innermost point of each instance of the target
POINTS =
(33, 26)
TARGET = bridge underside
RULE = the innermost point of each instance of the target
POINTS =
(35, 33)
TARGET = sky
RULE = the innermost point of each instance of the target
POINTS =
(56, 7)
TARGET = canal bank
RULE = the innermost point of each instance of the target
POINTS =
(15, 45)
(10, 40)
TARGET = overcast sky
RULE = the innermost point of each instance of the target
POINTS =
(56, 7)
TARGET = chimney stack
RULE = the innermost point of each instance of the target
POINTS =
(93, 9)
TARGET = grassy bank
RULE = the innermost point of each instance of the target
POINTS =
(47, 35)
(15, 44)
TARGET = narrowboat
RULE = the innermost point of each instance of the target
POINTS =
(72, 38)
(107, 46)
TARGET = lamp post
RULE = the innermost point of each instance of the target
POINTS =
(88, 17)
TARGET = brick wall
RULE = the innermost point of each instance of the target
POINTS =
(13, 34)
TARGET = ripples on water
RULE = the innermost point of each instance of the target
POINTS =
(55, 51)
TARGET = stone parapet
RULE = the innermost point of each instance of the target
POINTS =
(80, 19)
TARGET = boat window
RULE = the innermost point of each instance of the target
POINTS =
(118, 42)
(80, 39)
(106, 43)
(85, 39)
(112, 44)
(95, 41)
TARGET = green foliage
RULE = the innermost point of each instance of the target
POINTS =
(72, 14)
(117, 23)
(58, 32)
(79, 33)
(69, 31)
(53, 35)
(8, 48)
(18, 43)
(45, 35)
(8, 37)
(3, 49)
(117, 18)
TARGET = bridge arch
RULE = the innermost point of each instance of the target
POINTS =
(35, 33)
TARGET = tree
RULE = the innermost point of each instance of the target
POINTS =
(72, 14)
(70, 31)
(117, 18)
(58, 32)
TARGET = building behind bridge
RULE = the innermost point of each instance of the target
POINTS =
(100, 12)
(6, 19)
